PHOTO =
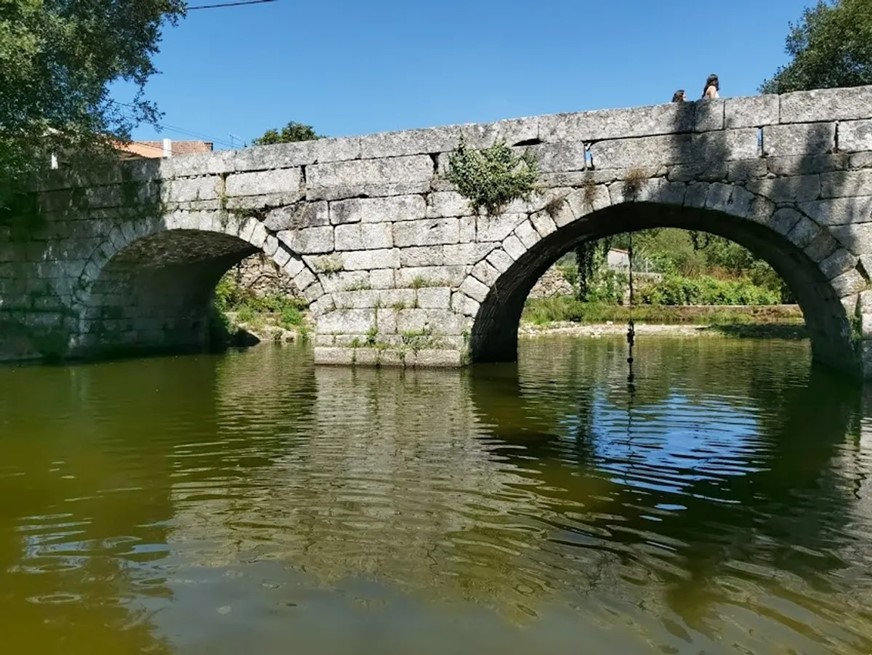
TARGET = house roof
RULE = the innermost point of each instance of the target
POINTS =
(155, 149)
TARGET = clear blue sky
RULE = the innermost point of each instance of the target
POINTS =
(358, 66)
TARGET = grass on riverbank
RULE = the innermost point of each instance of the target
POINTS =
(238, 306)
(727, 319)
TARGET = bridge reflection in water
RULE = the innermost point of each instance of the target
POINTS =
(188, 504)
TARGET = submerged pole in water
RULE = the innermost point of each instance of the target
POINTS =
(631, 326)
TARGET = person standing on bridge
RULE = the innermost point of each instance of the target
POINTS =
(712, 86)
(678, 96)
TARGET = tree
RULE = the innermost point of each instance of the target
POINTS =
(57, 61)
(830, 46)
(289, 133)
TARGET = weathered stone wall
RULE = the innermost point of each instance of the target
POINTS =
(261, 276)
(397, 267)
(552, 283)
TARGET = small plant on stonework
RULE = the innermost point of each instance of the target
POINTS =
(493, 177)
(370, 336)
(633, 183)
(329, 265)
(589, 190)
(554, 206)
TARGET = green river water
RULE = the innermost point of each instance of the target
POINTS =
(252, 503)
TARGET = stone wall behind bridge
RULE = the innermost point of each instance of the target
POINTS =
(397, 267)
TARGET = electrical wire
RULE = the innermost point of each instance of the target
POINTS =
(241, 3)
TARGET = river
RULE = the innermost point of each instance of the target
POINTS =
(251, 502)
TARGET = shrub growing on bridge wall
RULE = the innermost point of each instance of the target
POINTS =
(493, 177)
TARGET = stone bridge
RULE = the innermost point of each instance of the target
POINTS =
(397, 267)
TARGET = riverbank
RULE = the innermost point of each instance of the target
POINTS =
(752, 331)
(569, 317)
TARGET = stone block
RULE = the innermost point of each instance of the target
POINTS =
(855, 136)
(363, 236)
(391, 298)
(463, 254)
(427, 232)
(753, 111)
(855, 238)
(308, 241)
(801, 139)
(382, 278)
(486, 273)
(434, 276)
(467, 229)
(543, 223)
(709, 115)
(326, 356)
(297, 216)
(445, 204)
(500, 260)
(286, 181)
(559, 157)
(409, 142)
(806, 165)
(422, 256)
(377, 210)
(513, 132)
(498, 227)
(386, 321)
(430, 358)
(429, 322)
(434, 298)
(617, 123)
(848, 283)
(846, 184)
(474, 289)
(784, 220)
(826, 105)
(527, 234)
(191, 189)
(347, 321)
(838, 262)
(821, 247)
(361, 299)
(744, 170)
(277, 156)
(370, 259)
(804, 232)
(839, 211)
(341, 280)
(390, 176)
(788, 189)
(726, 145)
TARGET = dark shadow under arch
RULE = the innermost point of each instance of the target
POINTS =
(155, 294)
(494, 336)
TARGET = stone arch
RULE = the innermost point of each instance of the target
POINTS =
(148, 286)
(824, 276)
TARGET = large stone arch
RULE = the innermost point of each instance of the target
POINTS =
(149, 285)
(824, 277)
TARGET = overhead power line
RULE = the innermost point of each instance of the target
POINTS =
(241, 3)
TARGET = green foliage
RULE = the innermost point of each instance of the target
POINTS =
(290, 133)
(285, 311)
(830, 46)
(493, 177)
(706, 290)
(565, 309)
(590, 257)
(58, 60)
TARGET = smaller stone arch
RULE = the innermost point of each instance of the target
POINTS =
(149, 284)
(823, 274)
